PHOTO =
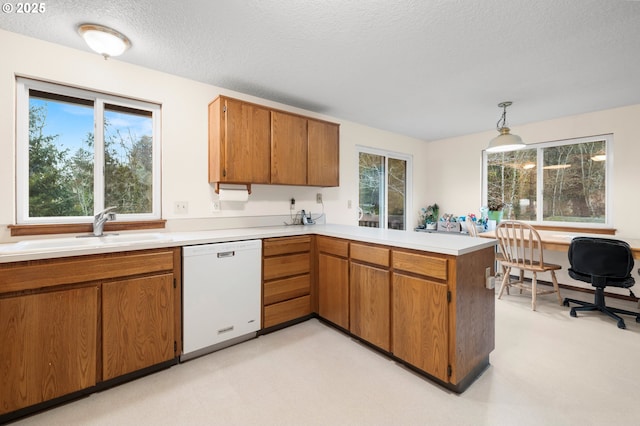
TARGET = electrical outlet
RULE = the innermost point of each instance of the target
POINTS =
(319, 198)
(348, 204)
(216, 205)
(293, 204)
(181, 207)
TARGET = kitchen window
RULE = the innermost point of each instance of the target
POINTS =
(79, 152)
(383, 188)
(554, 183)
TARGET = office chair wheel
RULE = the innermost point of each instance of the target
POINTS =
(565, 302)
(637, 319)
(621, 324)
(572, 312)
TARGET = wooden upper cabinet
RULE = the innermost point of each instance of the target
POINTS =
(288, 149)
(239, 141)
(323, 153)
(250, 143)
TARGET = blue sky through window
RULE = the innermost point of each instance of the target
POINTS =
(71, 122)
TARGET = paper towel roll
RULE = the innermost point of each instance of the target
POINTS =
(233, 195)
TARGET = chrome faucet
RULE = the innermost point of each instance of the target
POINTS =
(100, 219)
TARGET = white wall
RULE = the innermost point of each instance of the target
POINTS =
(184, 136)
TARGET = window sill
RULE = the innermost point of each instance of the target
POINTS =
(604, 231)
(74, 228)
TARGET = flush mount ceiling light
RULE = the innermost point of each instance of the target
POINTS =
(104, 40)
(505, 141)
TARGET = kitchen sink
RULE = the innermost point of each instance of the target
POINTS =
(140, 237)
(88, 241)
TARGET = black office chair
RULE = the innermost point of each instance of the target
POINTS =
(602, 262)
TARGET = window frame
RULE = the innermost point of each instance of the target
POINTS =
(408, 205)
(99, 99)
(608, 222)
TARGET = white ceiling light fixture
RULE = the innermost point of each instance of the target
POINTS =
(106, 41)
(505, 141)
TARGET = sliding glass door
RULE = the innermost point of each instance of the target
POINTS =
(383, 183)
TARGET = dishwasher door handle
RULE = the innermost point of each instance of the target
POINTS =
(226, 254)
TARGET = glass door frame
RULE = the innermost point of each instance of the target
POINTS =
(384, 196)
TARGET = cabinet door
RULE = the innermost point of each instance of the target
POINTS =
(323, 154)
(333, 289)
(137, 324)
(420, 324)
(47, 346)
(239, 142)
(369, 304)
(288, 149)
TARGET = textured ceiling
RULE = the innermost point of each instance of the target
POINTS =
(428, 68)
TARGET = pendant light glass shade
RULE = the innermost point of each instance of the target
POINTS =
(505, 141)
(104, 40)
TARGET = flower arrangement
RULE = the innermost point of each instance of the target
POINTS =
(481, 221)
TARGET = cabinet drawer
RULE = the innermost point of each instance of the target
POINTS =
(428, 266)
(333, 246)
(52, 272)
(370, 254)
(286, 311)
(289, 288)
(276, 246)
(285, 266)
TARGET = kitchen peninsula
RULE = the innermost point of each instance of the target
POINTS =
(418, 298)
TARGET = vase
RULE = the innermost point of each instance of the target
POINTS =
(495, 215)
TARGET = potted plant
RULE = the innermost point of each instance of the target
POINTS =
(429, 216)
(495, 210)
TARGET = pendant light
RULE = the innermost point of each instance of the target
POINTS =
(505, 141)
(103, 40)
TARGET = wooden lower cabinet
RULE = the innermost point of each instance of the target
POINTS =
(420, 324)
(369, 304)
(286, 279)
(69, 324)
(48, 346)
(428, 310)
(333, 289)
(278, 313)
(137, 324)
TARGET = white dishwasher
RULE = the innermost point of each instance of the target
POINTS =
(220, 295)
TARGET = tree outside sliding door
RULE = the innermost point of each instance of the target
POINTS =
(383, 187)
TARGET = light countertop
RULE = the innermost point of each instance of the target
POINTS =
(56, 247)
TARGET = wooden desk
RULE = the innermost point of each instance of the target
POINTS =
(559, 241)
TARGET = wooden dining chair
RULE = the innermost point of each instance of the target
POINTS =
(521, 248)
(472, 229)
